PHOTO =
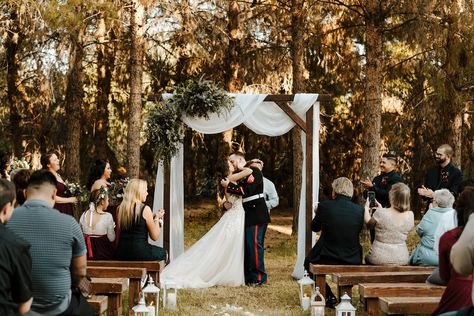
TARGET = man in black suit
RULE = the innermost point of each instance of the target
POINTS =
(256, 222)
(340, 221)
(382, 183)
(444, 176)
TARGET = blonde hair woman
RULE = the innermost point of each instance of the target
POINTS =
(391, 228)
(136, 222)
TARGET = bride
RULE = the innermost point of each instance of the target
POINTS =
(218, 257)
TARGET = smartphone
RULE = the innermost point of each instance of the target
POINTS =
(371, 197)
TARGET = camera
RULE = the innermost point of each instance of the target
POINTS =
(371, 197)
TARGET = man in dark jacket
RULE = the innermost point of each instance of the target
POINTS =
(382, 183)
(340, 221)
(444, 176)
(256, 222)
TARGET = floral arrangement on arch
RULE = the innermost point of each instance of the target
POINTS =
(195, 98)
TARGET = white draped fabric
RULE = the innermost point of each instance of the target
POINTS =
(263, 118)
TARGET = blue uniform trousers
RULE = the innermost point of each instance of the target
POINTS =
(254, 263)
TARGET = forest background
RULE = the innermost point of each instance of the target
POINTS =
(78, 77)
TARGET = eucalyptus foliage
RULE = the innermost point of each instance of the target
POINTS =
(164, 128)
(164, 131)
(200, 98)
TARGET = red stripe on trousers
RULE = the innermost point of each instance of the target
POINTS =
(255, 243)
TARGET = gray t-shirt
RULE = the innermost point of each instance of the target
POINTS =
(55, 238)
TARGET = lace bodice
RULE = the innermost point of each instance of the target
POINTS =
(105, 225)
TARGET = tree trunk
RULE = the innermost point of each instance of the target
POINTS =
(137, 19)
(451, 123)
(74, 95)
(105, 64)
(372, 108)
(12, 46)
(232, 69)
(234, 32)
(298, 71)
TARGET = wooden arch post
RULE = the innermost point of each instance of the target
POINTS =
(282, 101)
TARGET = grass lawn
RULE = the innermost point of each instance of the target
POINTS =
(278, 297)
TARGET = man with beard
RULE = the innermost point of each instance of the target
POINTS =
(444, 176)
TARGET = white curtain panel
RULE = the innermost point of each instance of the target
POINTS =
(263, 118)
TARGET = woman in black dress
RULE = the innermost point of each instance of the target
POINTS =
(136, 222)
(63, 203)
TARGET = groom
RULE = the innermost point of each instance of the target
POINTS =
(256, 221)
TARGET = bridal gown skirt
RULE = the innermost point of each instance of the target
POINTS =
(215, 259)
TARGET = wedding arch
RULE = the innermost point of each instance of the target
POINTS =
(270, 115)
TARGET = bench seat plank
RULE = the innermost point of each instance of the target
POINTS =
(153, 267)
(135, 276)
(321, 270)
(346, 280)
(370, 292)
(98, 304)
(113, 288)
(409, 305)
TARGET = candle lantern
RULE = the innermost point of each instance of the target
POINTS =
(152, 296)
(345, 308)
(141, 309)
(170, 293)
(318, 303)
(306, 291)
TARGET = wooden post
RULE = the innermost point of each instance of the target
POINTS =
(309, 177)
(166, 205)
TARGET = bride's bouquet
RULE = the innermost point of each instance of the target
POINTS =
(77, 190)
(16, 163)
(116, 190)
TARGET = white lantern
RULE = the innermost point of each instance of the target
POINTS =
(318, 303)
(170, 293)
(141, 309)
(345, 308)
(306, 291)
(152, 295)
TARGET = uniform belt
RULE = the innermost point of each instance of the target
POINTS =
(253, 197)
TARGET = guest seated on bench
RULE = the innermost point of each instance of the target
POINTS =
(136, 222)
(425, 253)
(98, 227)
(340, 222)
(391, 228)
(459, 288)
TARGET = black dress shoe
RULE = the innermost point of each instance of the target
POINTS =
(331, 302)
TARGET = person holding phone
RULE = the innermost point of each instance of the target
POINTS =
(392, 226)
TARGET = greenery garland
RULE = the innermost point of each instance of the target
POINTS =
(164, 128)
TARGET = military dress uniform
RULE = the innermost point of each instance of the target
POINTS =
(256, 222)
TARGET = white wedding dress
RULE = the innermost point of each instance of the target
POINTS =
(215, 259)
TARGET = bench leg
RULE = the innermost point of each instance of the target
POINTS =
(114, 306)
(344, 289)
(133, 292)
(321, 283)
(372, 306)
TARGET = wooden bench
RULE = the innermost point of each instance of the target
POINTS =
(321, 270)
(134, 275)
(346, 280)
(370, 292)
(113, 288)
(408, 305)
(152, 267)
(98, 304)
